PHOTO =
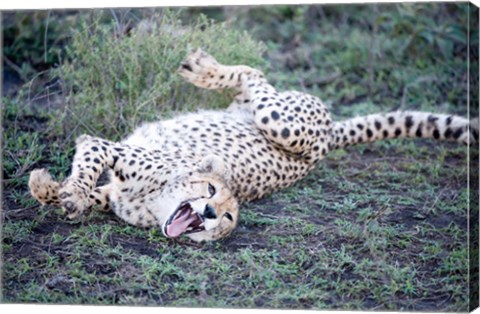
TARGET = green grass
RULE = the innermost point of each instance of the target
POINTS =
(374, 227)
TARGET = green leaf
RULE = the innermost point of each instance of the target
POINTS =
(457, 33)
(427, 35)
(445, 46)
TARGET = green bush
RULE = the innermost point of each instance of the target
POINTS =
(113, 80)
(32, 40)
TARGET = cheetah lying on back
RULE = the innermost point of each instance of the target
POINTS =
(189, 174)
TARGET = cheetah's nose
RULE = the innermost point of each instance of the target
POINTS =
(186, 66)
(209, 212)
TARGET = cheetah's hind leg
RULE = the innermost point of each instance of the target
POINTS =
(202, 70)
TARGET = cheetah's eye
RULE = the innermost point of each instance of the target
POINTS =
(211, 190)
(228, 216)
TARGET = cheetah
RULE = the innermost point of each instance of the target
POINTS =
(188, 175)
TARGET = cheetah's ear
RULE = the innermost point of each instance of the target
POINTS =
(212, 164)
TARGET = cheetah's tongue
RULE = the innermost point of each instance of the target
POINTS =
(179, 225)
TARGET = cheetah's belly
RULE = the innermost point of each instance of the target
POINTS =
(257, 167)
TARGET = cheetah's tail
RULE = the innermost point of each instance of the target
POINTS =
(44, 188)
(376, 127)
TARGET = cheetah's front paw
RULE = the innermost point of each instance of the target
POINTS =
(74, 200)
(43, 187)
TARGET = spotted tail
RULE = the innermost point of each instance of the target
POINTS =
(400, 124)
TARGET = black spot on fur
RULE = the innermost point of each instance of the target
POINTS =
(432, 119)
(436, 134)
(378, 125)
(285, 133)
(448, 121)
(275, 115)
(408, 122)
(418, 133)
(448, 133)
(457, 134)
(369, 133)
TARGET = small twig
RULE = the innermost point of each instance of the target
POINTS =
(16, 211)
(65, 252)
(43, 95)
(325, 79)
(45, 38)
(117, 23)
(267, 215)
(321, 12)
(30, 85)
(15, 67)
(437, 198)
(13, 157)
(371, 52)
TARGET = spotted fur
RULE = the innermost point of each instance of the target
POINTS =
(215, 160)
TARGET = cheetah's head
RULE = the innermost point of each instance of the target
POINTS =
(200, 204)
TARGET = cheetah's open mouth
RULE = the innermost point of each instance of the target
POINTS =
(183, 221)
